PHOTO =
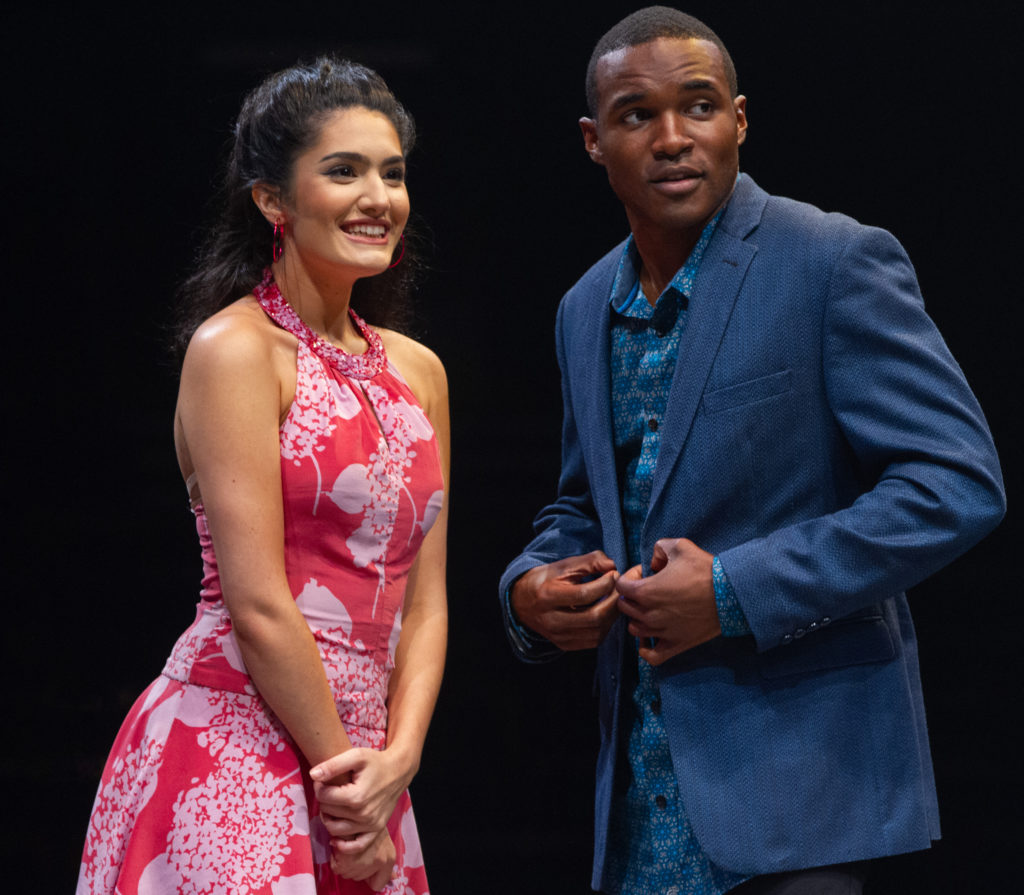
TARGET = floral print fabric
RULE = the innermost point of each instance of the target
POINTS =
(204, 791)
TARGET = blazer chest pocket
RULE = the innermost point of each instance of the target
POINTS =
(857, 640)
(749, 392)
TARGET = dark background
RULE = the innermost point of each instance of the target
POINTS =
(115, 127)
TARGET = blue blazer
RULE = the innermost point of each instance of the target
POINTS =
(822, 441)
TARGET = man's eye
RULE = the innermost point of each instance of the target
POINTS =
(701, 108)
(635, 116)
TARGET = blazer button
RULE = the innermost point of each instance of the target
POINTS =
(813, 626)
(787, 638)
(826, 620)
(799, 632)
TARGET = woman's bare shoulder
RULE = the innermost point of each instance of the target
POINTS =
(419, 366)
(239, 367)
(401, 348)
(236, 337)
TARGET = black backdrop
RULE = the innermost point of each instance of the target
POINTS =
(115, 128)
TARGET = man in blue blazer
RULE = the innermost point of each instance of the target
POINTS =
(765, 443)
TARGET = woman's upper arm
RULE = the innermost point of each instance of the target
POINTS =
(424, 372)
(425, 375)
(229, 406)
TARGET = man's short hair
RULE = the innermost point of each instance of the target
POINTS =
(649, 24)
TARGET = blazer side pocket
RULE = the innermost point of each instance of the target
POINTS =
(851, 641)
(748, 392)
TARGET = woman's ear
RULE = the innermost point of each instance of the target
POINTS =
(268, 201)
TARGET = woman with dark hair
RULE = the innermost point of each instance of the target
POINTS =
(274, 752)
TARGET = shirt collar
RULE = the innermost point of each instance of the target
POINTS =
(627, 298)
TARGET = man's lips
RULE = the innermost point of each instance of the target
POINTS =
(674, 172)
(676, 180)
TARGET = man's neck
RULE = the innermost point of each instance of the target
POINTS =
(661, 258)
(664, 251)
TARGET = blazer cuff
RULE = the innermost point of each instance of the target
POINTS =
(527, 645)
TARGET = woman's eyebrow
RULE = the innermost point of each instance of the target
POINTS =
(359, 158)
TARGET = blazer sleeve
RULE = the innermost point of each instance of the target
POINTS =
(567, 527)
(913, 433)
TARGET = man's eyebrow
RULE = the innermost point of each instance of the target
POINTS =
(637, 96)
(698, 84)
(627, 99)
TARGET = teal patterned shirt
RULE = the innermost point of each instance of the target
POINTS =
(652, 846)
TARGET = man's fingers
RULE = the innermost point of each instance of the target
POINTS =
(659, 557)
(596, 562)
(573, 595)
(585, 618)
(607, 608)
(576, 567)
(565, 601)
(629, 582)
(590, 592)
(631, 609)
(661, 652)
(644, 630)
(667, 549)
(584, 628)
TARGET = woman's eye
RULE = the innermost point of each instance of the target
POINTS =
(395, 174)
(342, 171)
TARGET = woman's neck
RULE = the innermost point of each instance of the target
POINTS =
(322, 302)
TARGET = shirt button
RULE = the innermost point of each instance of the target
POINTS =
(652, 425)
(661, 802)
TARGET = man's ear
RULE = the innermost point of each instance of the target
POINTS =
(590, 142)
(739, 105)
(268, 201)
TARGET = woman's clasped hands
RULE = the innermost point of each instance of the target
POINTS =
(357, 791)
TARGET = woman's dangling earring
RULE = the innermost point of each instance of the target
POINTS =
(401, 254)
(278, 240)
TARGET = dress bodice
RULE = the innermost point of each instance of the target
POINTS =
(361, 485)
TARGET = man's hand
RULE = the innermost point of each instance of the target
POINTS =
(570, 602)
(675, 604)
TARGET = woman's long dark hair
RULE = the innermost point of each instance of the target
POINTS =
(279, 120)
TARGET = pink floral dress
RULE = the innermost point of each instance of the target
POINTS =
(204, 791)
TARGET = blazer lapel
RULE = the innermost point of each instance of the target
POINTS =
(721, 274)
(593, 409)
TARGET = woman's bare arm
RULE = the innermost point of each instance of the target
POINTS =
(229, 407)
(378, 779)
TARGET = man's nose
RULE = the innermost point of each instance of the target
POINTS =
(672, 137)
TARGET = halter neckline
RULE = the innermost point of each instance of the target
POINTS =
(357, 366)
